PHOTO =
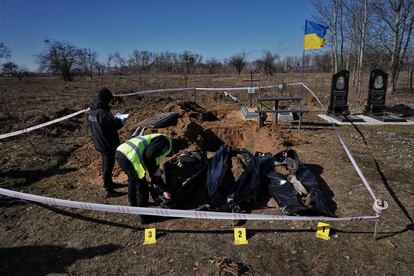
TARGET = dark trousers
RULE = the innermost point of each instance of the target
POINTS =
(138, 189)
(108, 162)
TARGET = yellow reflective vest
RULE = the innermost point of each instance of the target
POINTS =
(133, 149)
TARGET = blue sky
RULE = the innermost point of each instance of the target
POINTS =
(211, 28)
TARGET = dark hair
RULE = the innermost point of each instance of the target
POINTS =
(105, 95)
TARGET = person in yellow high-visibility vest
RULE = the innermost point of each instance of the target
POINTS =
(142, 154)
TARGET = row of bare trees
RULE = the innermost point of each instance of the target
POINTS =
(68, 60)
(11, 68)
(363, 34)
(369, 33)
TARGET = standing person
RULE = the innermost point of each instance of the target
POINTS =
(142, 154)
(104, 128)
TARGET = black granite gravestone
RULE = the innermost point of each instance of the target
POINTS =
(338, 106)
(375, 107)
(376, 93)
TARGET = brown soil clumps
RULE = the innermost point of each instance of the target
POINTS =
(198, 128)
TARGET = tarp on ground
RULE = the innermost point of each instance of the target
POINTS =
(196, 180)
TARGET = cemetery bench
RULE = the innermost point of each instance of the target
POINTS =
(277, 108)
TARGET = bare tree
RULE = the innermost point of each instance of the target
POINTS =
(410, 64)
(187, 62)
(140, 62)
(393, 30)
(323, 62)
(238, 61)
(291, 63)
(4, 51)
(88, 61)
(59, 57)
(100, 68)
(213, 66)
(120, 62)
(269, 62)
(109, 63)
(362, 34)
(12, 69)
(357, 32)
(332, 15)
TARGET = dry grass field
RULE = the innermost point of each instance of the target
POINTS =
(60, 161)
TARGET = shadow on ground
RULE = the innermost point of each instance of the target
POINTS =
(46, 259)
(402, 110)
(327, 193)
(10, 202)
(30, 176)
(251, 232)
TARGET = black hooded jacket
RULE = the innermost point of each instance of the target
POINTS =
(104, 127)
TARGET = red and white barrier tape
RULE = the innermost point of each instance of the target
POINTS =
(152, 91)
(15, 133)
(347, 151)
(232, 88)
(187, 213)
(172, 212)
(18, 132)
(192, 88)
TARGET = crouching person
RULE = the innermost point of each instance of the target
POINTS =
(142, 154)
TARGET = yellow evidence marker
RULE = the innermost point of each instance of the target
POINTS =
(149, 236)
(240, 236)
(322, 231)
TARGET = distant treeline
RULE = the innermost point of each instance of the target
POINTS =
(362, 35)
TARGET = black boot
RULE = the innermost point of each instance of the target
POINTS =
(111, 193)
(145, 219)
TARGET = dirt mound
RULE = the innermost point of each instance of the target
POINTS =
(187, 133)
(227, 266)
(86, 156)
(53, 130)
(37, 120)
(65, 111)
(195, 130)
(192, 110)
(43, 118)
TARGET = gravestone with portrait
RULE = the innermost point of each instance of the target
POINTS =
(338, 106)
(375, 107)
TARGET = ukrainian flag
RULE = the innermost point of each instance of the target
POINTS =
(314, 35)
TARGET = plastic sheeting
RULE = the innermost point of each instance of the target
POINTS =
(289, 200)
(223, 190)
(185, 176)
(194, 180)
(225, 193)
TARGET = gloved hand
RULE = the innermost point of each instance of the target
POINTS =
(159, 182)
(166, 195)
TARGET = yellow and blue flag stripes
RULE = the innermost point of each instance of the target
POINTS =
(314, 35)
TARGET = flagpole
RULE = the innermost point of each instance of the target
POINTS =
(302, 77)
(303, 71)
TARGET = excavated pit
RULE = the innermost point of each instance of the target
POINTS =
(197, 129)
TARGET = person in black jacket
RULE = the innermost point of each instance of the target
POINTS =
(104, 128)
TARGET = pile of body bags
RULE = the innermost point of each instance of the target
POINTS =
(235, 180)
